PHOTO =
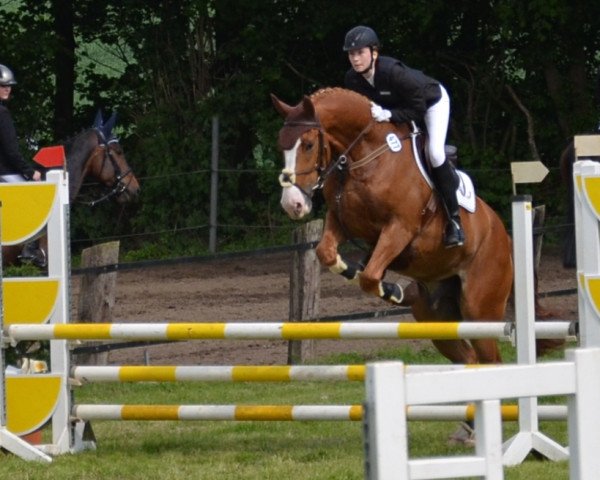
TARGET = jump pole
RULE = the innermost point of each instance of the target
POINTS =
(59, 265)
(528, 437)
(282, 413)
(237, 373)
(282, 330)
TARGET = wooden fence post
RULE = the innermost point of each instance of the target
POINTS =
(97, 294)
(305, 288)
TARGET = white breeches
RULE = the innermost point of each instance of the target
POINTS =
(12, 178)
(436, 121)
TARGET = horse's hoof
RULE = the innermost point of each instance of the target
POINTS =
(464, 436)
(391, 292)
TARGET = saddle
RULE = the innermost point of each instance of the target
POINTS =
(451, 151)
(465, 191)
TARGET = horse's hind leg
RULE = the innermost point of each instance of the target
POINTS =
(441, 306)
(484, 297)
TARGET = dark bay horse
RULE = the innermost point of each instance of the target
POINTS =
(94, 153)
(375, 191)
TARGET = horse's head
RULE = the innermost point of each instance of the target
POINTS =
(302, 141)
(97, 153)
(110, 167)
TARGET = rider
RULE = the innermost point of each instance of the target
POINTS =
(13, 167)
(402, 94)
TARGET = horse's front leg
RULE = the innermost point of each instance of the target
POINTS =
(327, 251)
(391, 242)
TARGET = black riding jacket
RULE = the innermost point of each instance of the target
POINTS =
(402, 90)
(11, 160)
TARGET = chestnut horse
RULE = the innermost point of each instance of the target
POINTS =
(94, 153)
(375, 191)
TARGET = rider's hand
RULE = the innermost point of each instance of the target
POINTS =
(37, 176)
(380, 114)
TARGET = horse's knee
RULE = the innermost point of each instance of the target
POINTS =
(327, 256)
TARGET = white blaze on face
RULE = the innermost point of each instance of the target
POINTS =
(293, 201)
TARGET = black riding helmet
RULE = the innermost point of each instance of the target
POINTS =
(360, 37)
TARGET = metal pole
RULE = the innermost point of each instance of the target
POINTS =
(214, 184)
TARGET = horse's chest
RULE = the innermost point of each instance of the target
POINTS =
(359, 210)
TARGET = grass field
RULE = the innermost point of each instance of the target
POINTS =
(250, 450)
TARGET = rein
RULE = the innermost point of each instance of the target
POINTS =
(342, 160)
(287, 178)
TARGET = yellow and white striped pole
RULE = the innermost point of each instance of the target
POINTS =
(291, 412)
(286, 331)
(238, 373)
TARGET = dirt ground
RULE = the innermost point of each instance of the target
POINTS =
(254, 289)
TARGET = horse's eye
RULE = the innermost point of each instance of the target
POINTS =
(308, 146)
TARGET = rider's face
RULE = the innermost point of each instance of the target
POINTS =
(360, 59)
(5, 92)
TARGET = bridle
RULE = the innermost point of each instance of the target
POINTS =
(287, 178)
(119, 185)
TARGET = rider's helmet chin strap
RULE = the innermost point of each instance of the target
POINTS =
(370, 67)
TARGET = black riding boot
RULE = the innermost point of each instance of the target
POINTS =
(446, 182)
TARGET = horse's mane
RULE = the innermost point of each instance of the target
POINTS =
(78, 150)
(335, 103)
(325, 93)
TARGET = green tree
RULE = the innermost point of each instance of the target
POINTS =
(521, 76)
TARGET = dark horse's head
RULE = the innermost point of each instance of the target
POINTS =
(97, 153)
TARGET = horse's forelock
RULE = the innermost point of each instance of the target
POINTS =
(289, 135)
(297, 122)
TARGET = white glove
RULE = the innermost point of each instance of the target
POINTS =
(380, 114)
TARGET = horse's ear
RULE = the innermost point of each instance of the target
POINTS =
(283, 108)
(109, 125)
(308, 106)
(98, 120)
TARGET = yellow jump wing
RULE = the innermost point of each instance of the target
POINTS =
(30, 401)
(29, 300)
(26, 208)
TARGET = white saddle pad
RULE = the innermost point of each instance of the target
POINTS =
(466, 192)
